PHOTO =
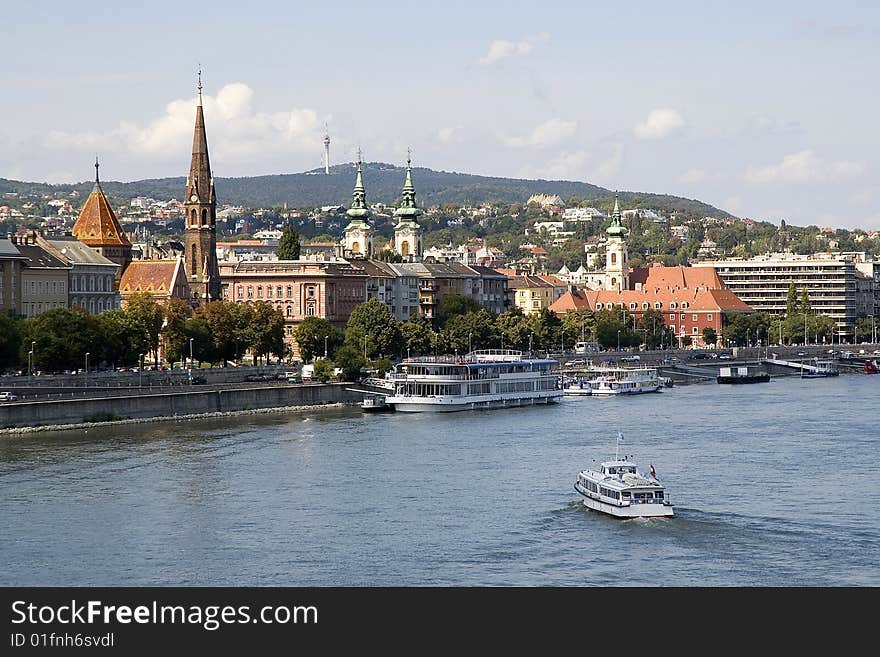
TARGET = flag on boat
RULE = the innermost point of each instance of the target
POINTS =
(653, 472)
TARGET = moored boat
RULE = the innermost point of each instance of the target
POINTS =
(742, 375)
(490, 378)
(609, 381)
(619, 489)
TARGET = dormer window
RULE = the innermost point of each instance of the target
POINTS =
(673, 305)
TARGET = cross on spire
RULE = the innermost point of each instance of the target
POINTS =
(200, 84)
(96, 170)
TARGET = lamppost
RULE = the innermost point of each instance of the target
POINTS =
(365, 345)
(191, 361)
(87, 368)
(806, 336)
(325, 346)
(31, 360)
(582, 328)
(140, 369)
(618, 339)
(469, 343)
(562, 342)
(531, 335)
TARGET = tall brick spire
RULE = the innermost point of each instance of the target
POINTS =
(200, 203)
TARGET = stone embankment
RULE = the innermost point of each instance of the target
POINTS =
(21, 417)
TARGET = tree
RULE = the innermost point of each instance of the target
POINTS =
(310, 334)
(289, 244)
(63, 338)
(805, 308)
(454, 304)
(10, 341)
(791, 304)
(350, 361)
(710, 337)
(221, 327)
(473, 330)
(686, 341)
(174, 338)
(579, 325)
(204, 349)
(122, 341)
(372, 329)
(418, 338)
(266, 331)
(513, 329)
(654, 328)
(146, 318)
(323, 370)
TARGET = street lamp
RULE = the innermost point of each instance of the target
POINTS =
(31, 360)
(191, 360)
(562, 342)
(531, 335)
(325, 346)
(618, 339)
(470, 349)
(140, 369)
(87, 368)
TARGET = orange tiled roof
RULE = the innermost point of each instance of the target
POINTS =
(153, 276)
(659, 276)
(553, 280)
(697, 299)
(571, 300)
(97, 224)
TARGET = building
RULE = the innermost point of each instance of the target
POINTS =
(763, 283)
(200, 208)
(91, 280)
(11, 263)
(407, 232)
(437, 280)
(399, 290)
(161, 279)
(298, 288)
(98, 228)
(44, 277)
(532, 293)
(357, 241)
(616, 256)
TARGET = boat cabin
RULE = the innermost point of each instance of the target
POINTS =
(618, 468)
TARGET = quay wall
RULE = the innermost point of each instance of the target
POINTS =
(171, 404)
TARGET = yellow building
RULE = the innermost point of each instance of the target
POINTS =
(11, 264)
(532, 293)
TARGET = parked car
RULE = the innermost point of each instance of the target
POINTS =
(631, 359)
(7, 396)
(725, 357)
(199, 380)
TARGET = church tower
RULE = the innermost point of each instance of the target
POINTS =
(98, 228)
(616, 261)
(407, 232)
(200, 205)
(358, 239)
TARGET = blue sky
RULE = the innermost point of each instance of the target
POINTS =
(766, 111)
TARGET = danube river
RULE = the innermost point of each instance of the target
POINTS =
(774, 484)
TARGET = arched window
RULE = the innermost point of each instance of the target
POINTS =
(658, 305)
(613, 281)
(404, 248)
(195, 261)
(204, 217)
(278, 291)
(192, 219)
(632, 305)
(289, 291)
(613, 258)
(673, 305)
(355, 247)
(644, 305)
(684, 304)
(289, 311)
(599, 306)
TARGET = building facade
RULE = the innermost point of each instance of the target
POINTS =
(11, 263)
(91, 280)
(763, 283)
(161, 279)
(44, 277)
(407, 232)
(298, 288)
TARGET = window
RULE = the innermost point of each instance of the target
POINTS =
(682, 316)
(250, 292)
(204, 217)
(672, 317)
(644, 305)
(310, 291)
(709, 317)
(658, 305)
(684, 304)
(194, 258)
(598, 306)
(269, 291)
(632, 305)
(259, 292)
(289, 311)
(673, 306)
(279, 291)
(696, 317)
(310, 311)
(613, 258)
(240, 291)
(289, 291)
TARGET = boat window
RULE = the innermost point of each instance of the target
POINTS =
(625, 493)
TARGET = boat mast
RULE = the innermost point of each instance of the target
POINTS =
(617, 447)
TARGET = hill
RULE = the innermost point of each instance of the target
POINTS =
(383, 183)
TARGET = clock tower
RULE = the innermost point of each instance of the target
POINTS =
(200, 205)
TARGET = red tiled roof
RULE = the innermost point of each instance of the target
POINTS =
(153, 276)
(659, 276)
(571, 300)
(97, 224)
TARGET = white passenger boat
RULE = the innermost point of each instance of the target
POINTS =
(620, 490)
(491, 378)
(576, 386)
(624, 381)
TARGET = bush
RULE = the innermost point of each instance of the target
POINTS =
(323, 370)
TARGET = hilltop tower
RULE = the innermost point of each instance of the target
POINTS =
(616, 260)
(326, 150)
(358, 239)
(200, 206)
(407, 232)
(98, 228)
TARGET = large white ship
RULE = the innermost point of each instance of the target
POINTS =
(491, 378)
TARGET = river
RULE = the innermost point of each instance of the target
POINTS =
(773, 484)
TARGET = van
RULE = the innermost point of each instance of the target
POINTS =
(308, 372)
(291, 377)
(586, 347)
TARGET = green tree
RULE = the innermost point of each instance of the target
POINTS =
(805, 308)
(579, 325)
(223, 326)
(350, 361)
(710, 337)
(654, 327)
(204, 348)
(513, 329)
(310, 334)
(372, 329)
(146, 317)
(323, 370)
(686, 341)
(122, 341)
(266, 331)
(454, 304)
(289, 244)
(473, 330)
(791, 304)
(63, 337)
(10, 341)
(174, 339)
(418, 337)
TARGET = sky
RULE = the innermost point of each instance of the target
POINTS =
(768, 110)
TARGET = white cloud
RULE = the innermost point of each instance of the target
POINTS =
(448, 135)
(692, 176)
(546, 134)
(660, 123)
(235, 130)
(578, 165)
(804, 167)
(502, 49)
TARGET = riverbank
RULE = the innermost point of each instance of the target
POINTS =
(106, 411)
(173, 418)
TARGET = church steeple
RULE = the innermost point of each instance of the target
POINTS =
(407, 233)
(358, 206)
(200, 204)
(358, 239)
(616, 229)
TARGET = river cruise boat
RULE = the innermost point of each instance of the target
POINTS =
(620, 490)
(490, 378)
(820, 369)
(609, 381)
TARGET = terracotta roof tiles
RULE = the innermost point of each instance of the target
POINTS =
(97, 224)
